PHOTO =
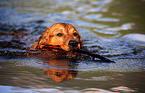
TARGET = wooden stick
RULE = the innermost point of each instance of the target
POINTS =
(94, 55)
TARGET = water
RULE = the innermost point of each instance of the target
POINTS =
(112, 28)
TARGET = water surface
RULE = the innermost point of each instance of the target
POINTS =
(112, 28)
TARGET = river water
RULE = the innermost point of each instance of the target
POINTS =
(112, 28)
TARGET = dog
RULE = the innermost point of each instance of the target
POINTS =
(63, 35)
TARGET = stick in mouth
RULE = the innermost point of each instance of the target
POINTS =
(94, 55)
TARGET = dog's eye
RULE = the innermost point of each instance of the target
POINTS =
(75, 34)
(59, 34)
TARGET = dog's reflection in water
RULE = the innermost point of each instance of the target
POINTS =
(61, 70)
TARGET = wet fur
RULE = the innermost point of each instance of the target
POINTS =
(49, 37)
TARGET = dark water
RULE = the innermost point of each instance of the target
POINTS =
(112, 28)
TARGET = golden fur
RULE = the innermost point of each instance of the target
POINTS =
(59, 34)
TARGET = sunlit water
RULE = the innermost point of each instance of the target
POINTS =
(114, 29)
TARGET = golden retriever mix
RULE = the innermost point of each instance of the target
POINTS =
(63, 35)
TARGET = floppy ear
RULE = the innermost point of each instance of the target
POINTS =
(43, 40)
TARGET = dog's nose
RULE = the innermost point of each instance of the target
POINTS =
(73, 43)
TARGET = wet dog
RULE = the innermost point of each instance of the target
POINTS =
(63, 35)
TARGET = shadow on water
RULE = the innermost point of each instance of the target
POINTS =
(111, 28)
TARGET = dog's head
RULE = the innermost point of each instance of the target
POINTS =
(60, 34)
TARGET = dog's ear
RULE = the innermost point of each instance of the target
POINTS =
(43, 40)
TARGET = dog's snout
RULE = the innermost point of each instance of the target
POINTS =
(73, 43)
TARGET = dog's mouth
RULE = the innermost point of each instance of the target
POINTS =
(58, 47)
(71, 46)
